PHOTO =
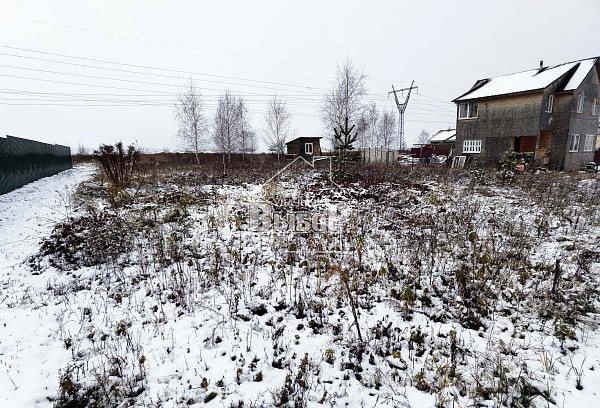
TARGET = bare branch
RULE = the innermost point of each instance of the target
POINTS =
(278, 126)
(189, 113)
(344, 99)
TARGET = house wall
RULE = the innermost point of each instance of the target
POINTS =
(297, 147)
(292, 147)
(582, 123)
(498, 120)
(501, 119)
(316, 145)
(559, 127)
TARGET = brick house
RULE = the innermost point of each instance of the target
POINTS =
(549, 115)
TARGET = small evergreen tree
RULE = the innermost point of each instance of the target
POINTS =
(344, 139)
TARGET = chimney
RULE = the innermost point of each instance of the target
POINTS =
(542, 64)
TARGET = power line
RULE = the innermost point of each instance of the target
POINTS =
(300, 96)
(126, 80)
(117, 87)
(141, 66)
(439, 100)
(164, 43)
(374, 97)
(379, 78)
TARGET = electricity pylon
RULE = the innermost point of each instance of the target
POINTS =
(401, 109)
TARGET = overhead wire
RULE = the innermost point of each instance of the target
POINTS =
(190, 72)
(377, 97)
(299, 98)
(165, 43)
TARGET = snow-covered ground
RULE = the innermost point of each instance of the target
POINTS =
(424, 294)
(31, 352)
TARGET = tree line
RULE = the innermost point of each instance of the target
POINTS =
(229, 129)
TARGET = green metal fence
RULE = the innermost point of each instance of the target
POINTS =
(23, 161)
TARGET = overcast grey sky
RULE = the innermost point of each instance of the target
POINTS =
(91, 72)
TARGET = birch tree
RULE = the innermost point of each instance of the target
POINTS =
(278, 130)
(344, 100)
(362, 129)
(246, 137)
(226, 125)
(387, 128)
(248, 141)
(372, 117)
(423, 137)
(189, 114)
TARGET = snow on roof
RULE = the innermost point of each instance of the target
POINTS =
(580, 74)
(530, 80)
(448, 135)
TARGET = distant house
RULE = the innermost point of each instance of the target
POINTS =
(306, 147)
(440, 144)
(443, 141)
(548, 114)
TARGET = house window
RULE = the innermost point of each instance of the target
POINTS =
(590, 141)
(580, 104)
(550, 103)
(467, 110)
(595, 106)
(574, 147)
(472, 146)
(308, 148)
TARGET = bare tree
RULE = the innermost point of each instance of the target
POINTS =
(226, 125)
(387, 128)
(362, 129)
(278, 126)
(372, 116)
(343, 102)
(191, 119)
(423, 137)
(248, 141)
(246, 137)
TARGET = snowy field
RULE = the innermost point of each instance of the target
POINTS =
(450, 290)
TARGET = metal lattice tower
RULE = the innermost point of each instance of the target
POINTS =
(401, 109)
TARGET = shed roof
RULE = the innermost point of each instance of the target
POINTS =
(531, 80)
(304, 137)
(446, 135)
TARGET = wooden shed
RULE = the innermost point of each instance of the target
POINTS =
(304, 146)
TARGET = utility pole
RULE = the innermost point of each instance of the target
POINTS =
(401, 109)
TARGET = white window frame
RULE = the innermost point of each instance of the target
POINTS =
(469, 110)
(595, 106)
(550, 104)
(574, 145)
(590, 143)
(580, 103)
(308, 148)
(459, 161)
(472, 146)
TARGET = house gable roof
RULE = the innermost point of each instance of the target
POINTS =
(532, 80)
